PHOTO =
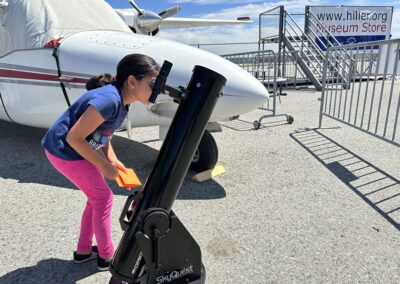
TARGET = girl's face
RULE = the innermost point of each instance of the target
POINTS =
(143, 88)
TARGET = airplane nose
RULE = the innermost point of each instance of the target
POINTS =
(242, 92)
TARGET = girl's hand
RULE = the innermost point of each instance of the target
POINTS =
(109, 171)
(119, 165)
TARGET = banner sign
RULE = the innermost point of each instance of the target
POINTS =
(351, 24)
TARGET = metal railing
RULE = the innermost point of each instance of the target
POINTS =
(221, 47)
(262, 69)
(262, 65)
(307, 45)
(304, 44)
(325, 39)
(372, 103)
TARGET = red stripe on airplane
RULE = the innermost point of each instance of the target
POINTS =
(6, 73)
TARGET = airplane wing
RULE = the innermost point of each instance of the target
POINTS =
(173, 23)
(129, 15)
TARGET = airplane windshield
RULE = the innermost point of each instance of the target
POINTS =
(29, 24)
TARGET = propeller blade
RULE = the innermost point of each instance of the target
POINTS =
(136, 7)
(170, 12)
(148, 21)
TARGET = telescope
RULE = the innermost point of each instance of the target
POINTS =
(155, 246)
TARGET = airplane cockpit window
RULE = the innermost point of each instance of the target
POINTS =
(30, 24)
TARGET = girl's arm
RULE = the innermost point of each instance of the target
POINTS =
(76, 138)
(110, 155)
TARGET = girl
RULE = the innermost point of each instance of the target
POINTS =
(88, 125)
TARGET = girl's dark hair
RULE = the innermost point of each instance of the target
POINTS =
(138, 65)
(98, 81)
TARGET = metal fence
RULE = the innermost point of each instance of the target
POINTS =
(369, 98)
(271, 32)
(263, 66)
(224, 47)
(288, 68)
(260, 64)
(292, 71)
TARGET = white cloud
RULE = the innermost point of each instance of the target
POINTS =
(250, 32)
(253, 10)
(238, 33)
(210, 2)
(213, 39)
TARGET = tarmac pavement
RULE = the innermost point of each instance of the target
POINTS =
(285, 211)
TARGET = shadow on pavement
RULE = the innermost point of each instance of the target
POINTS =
(377, 188)
(51, 270)
(244, 125)
(23, 159)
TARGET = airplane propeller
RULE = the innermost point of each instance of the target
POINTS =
(136, 7)
(170, 12)
(148, 21)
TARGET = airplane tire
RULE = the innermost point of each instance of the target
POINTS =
(206, 155)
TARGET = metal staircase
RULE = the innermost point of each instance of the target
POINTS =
(308, 47)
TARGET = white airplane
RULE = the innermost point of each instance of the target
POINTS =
(49, 48)
(149, 23)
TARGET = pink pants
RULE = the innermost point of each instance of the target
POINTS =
(96, 216)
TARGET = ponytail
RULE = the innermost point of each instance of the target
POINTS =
(99, 80)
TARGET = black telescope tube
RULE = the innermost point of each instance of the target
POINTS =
(159, 84)
(176, 154)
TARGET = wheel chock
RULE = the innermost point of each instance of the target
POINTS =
(206, 175)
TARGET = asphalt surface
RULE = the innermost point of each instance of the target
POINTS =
(296, 204)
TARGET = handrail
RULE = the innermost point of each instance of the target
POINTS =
(343, 70)
(330, 43)
(324, 36)
(266, 12)
(308, 38)
(326, 47)
(329, 33)
(348, 64)
(319, 65)
(309, 59)
(305, 46)
(306, 35)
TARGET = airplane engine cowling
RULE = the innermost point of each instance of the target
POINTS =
(96, 52)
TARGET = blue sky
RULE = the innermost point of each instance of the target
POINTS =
(223, 9)
(190, 8)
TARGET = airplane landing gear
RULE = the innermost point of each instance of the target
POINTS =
(206, 155)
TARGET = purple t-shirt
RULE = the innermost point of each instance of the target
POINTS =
(107, 101)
